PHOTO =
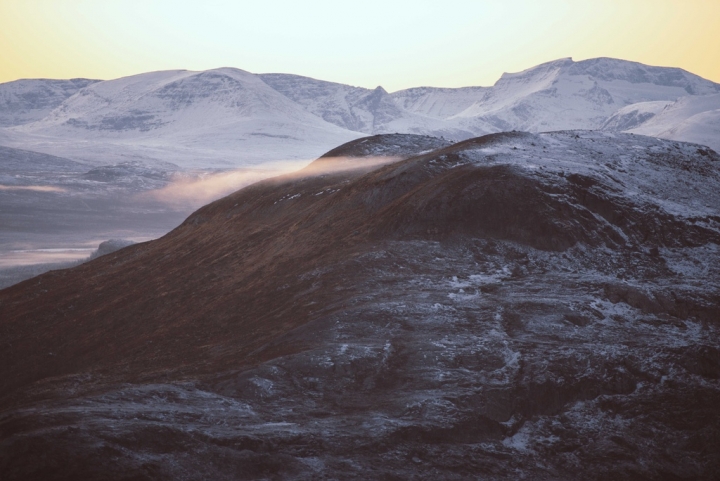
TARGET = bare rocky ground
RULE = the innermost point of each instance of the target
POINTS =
(510, 307)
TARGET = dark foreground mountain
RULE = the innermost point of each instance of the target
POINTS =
(512, 306)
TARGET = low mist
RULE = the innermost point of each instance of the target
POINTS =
(188, 191)
(191, 192)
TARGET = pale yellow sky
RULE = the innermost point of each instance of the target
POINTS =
(396, 44)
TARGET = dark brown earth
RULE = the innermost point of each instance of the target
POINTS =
(456, 313)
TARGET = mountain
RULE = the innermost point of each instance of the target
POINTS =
(440, 103)
(227, 118)
(24, 101)
(342, 105)
(693, 119)
(518, 305)
(358, 109)
(577, 95)
(223, 117)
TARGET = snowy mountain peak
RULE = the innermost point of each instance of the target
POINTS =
(220, 117)
(150, 101)
(565, 94)
(542, 70)
(437, 102)
(610, 69)
(352, 108)
(604, 69)
(379, 100)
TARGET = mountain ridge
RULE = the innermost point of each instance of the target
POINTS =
(227, 116)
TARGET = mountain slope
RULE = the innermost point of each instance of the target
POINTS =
(564, 94)
(223, 116)
(25, 161)
(516, 305)
(24, 101)
(438, 102)
(693, 119)
(362, 110)
(336, 103)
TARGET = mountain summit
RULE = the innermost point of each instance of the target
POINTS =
(569, 95)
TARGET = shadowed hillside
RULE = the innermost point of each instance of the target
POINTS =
(538, 305)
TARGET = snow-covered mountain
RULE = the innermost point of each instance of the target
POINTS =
(223, 117)
(229, 117)
(346, 106)
(691, 119)
(359, 109)
(24, 101)
(438, 102)
(565, 94)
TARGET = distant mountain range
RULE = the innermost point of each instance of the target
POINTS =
(229, 117)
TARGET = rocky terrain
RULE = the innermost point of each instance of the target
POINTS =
(514, 306)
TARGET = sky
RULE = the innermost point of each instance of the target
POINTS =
(396, 44)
